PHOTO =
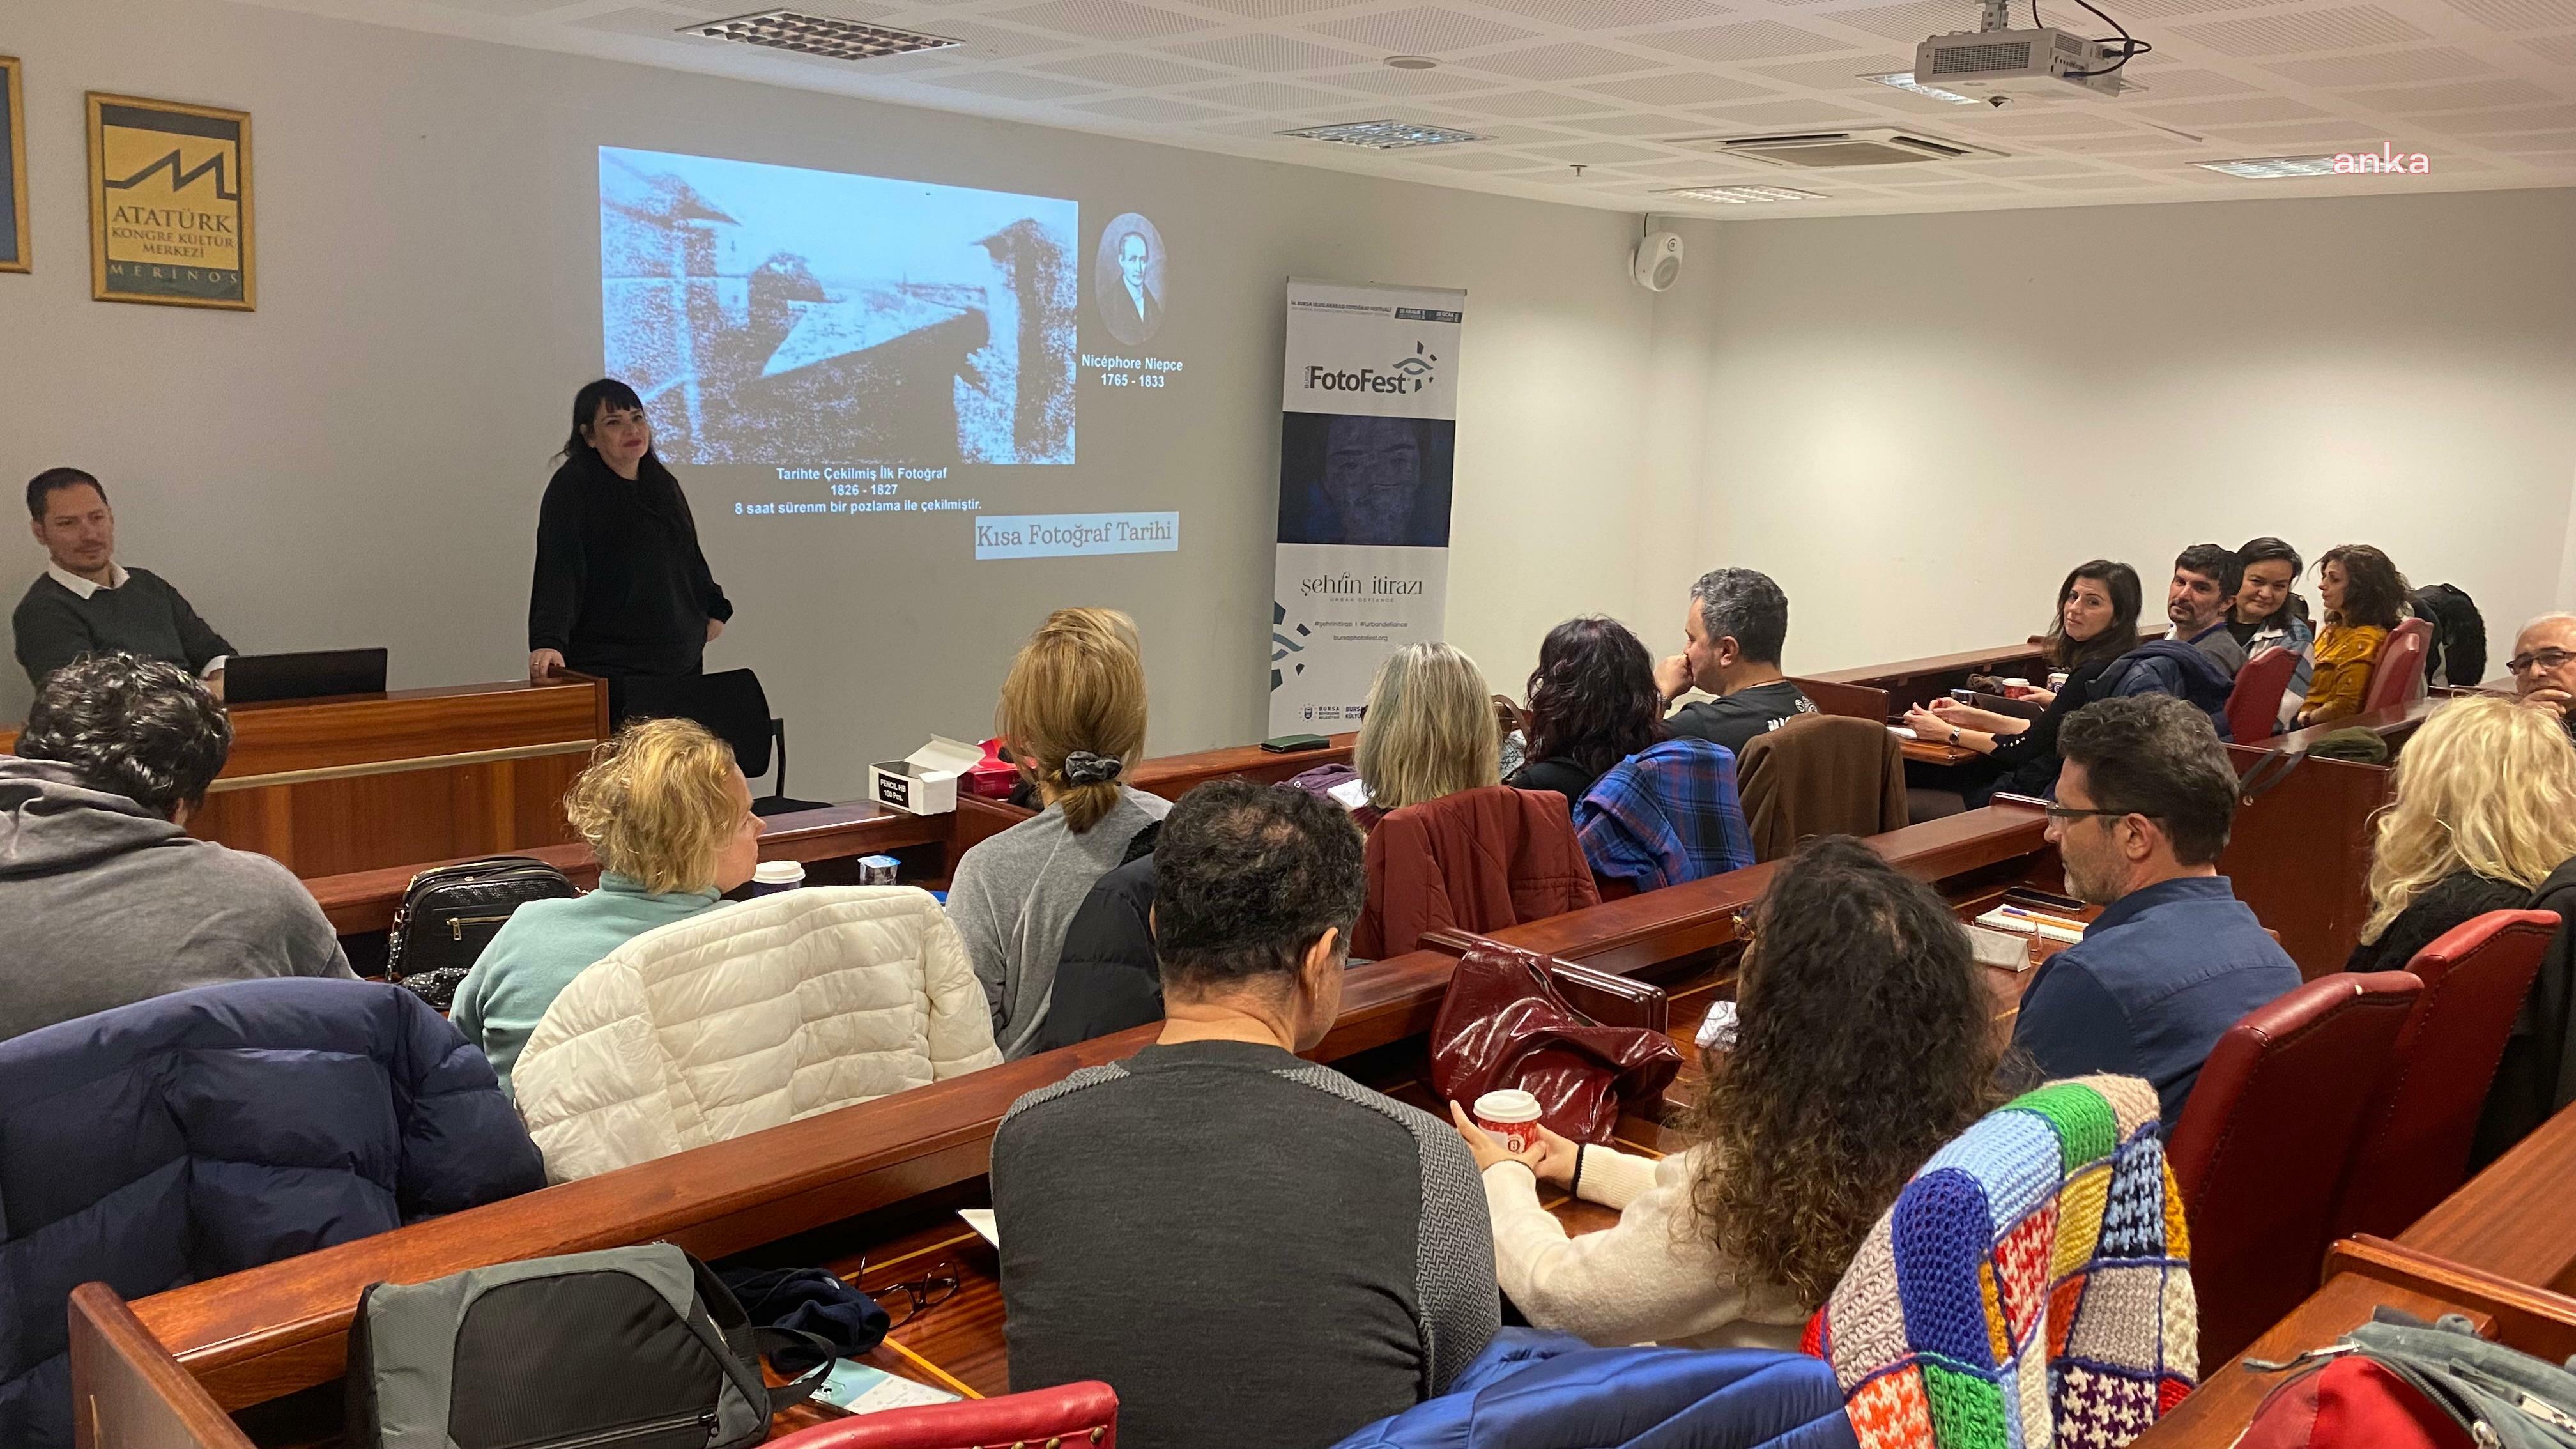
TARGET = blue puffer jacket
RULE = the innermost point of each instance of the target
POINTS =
(1533, 1390)
(2169, 666)
(217, 1129)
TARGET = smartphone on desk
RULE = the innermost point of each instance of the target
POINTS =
(2050, 902)
(1294, 744)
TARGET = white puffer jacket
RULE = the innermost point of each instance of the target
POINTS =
(747, 1017)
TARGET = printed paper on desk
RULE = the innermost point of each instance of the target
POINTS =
(863, 1389)
(981, 1220)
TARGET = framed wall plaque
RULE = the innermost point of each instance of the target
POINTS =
(170, 204)
(14, 245)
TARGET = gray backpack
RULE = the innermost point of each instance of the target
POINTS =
(630, 1348)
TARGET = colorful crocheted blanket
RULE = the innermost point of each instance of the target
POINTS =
(2031, 1286)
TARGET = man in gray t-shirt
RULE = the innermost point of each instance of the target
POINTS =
(1253, 1250)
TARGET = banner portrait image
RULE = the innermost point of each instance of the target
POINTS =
(1367, 449)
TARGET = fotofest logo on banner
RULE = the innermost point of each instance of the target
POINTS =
(1411, 374)
(1367, 459)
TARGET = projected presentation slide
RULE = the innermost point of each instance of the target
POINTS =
(816, 321)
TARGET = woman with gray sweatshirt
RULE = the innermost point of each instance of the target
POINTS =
(1073, 713)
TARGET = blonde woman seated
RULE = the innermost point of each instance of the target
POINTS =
(1866, 1041)
(1429, 731)
(669, 816)
(2485, 812)
(1073, 713)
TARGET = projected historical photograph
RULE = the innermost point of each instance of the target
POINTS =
(776, 316)
(1127, 280)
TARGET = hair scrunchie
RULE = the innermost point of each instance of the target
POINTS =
(1085, 768)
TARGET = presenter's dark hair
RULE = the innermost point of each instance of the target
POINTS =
(616, 396)
(2213, 561)
(2119, 581)
(2157, 756)
(42, 488)
(1246, 877)
(140, 728)
(1745, 606)
(2373, 589)
(1592, 698)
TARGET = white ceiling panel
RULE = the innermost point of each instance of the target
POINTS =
(2485, 88)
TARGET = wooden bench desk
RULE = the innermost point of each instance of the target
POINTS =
(269, 1332)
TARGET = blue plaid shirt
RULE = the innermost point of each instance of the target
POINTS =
(1667, 814)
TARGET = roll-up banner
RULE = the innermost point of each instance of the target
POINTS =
(1367, 436)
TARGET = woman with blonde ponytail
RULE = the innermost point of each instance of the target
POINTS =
(1073, 713)
(2485, 811)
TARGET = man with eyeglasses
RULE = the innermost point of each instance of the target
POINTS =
(2544, 666)
(2143, 808)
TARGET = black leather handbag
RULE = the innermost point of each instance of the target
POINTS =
(450, 913)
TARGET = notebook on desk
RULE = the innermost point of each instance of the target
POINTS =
(313, 674)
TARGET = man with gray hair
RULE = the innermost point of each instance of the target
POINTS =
(2544, 666)
(1732, 630)
(2144, 804)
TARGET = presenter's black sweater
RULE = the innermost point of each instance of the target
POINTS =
(621, 587)
(143, 617)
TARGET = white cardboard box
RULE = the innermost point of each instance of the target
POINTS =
(925, 781)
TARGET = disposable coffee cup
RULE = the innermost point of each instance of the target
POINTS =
(772, 876)
(1511, 1115)
(2016, 688)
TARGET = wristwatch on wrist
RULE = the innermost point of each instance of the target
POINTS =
(1954, 737)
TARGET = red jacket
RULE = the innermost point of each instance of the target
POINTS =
(1478, 860)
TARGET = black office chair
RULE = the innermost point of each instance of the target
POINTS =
(733, 708)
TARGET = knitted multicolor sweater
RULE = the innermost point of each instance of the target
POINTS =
(2031, 1286)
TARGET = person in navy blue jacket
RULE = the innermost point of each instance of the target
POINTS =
(2143, 808)
(219, 1128)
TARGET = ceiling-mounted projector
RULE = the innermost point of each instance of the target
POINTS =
(2000, 66)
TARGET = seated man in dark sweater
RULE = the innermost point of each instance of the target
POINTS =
(1733, 631)
(2144, 805)
(1253, 1250)
(84, 603)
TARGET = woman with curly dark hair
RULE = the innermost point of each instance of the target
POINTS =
(2365, 598)
(1866, 1040)
(1592, 703)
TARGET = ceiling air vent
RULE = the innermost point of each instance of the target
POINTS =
(1828, 150)
(827, 36)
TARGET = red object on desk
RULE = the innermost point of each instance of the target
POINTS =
(992, 777)
(1080, 1416)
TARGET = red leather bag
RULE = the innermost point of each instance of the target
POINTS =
(1505, 1024)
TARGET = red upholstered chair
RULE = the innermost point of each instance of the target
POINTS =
(2414, 1144)
(2398, 677)
(2266, 1140)
(1081, 1416)
(2254, 706)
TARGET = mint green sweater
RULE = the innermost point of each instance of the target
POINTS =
(542, 947)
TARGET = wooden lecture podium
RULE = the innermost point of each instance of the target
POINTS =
(363, 781)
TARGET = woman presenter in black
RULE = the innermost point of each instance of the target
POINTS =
(621, 588)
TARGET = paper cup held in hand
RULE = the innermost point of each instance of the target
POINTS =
(1511, 1115)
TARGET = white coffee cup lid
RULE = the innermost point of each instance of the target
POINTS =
(778, 872)
(1509, 1104)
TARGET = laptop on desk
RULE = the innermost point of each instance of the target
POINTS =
(313, 674)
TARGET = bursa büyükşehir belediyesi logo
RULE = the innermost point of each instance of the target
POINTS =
(1410, 374)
